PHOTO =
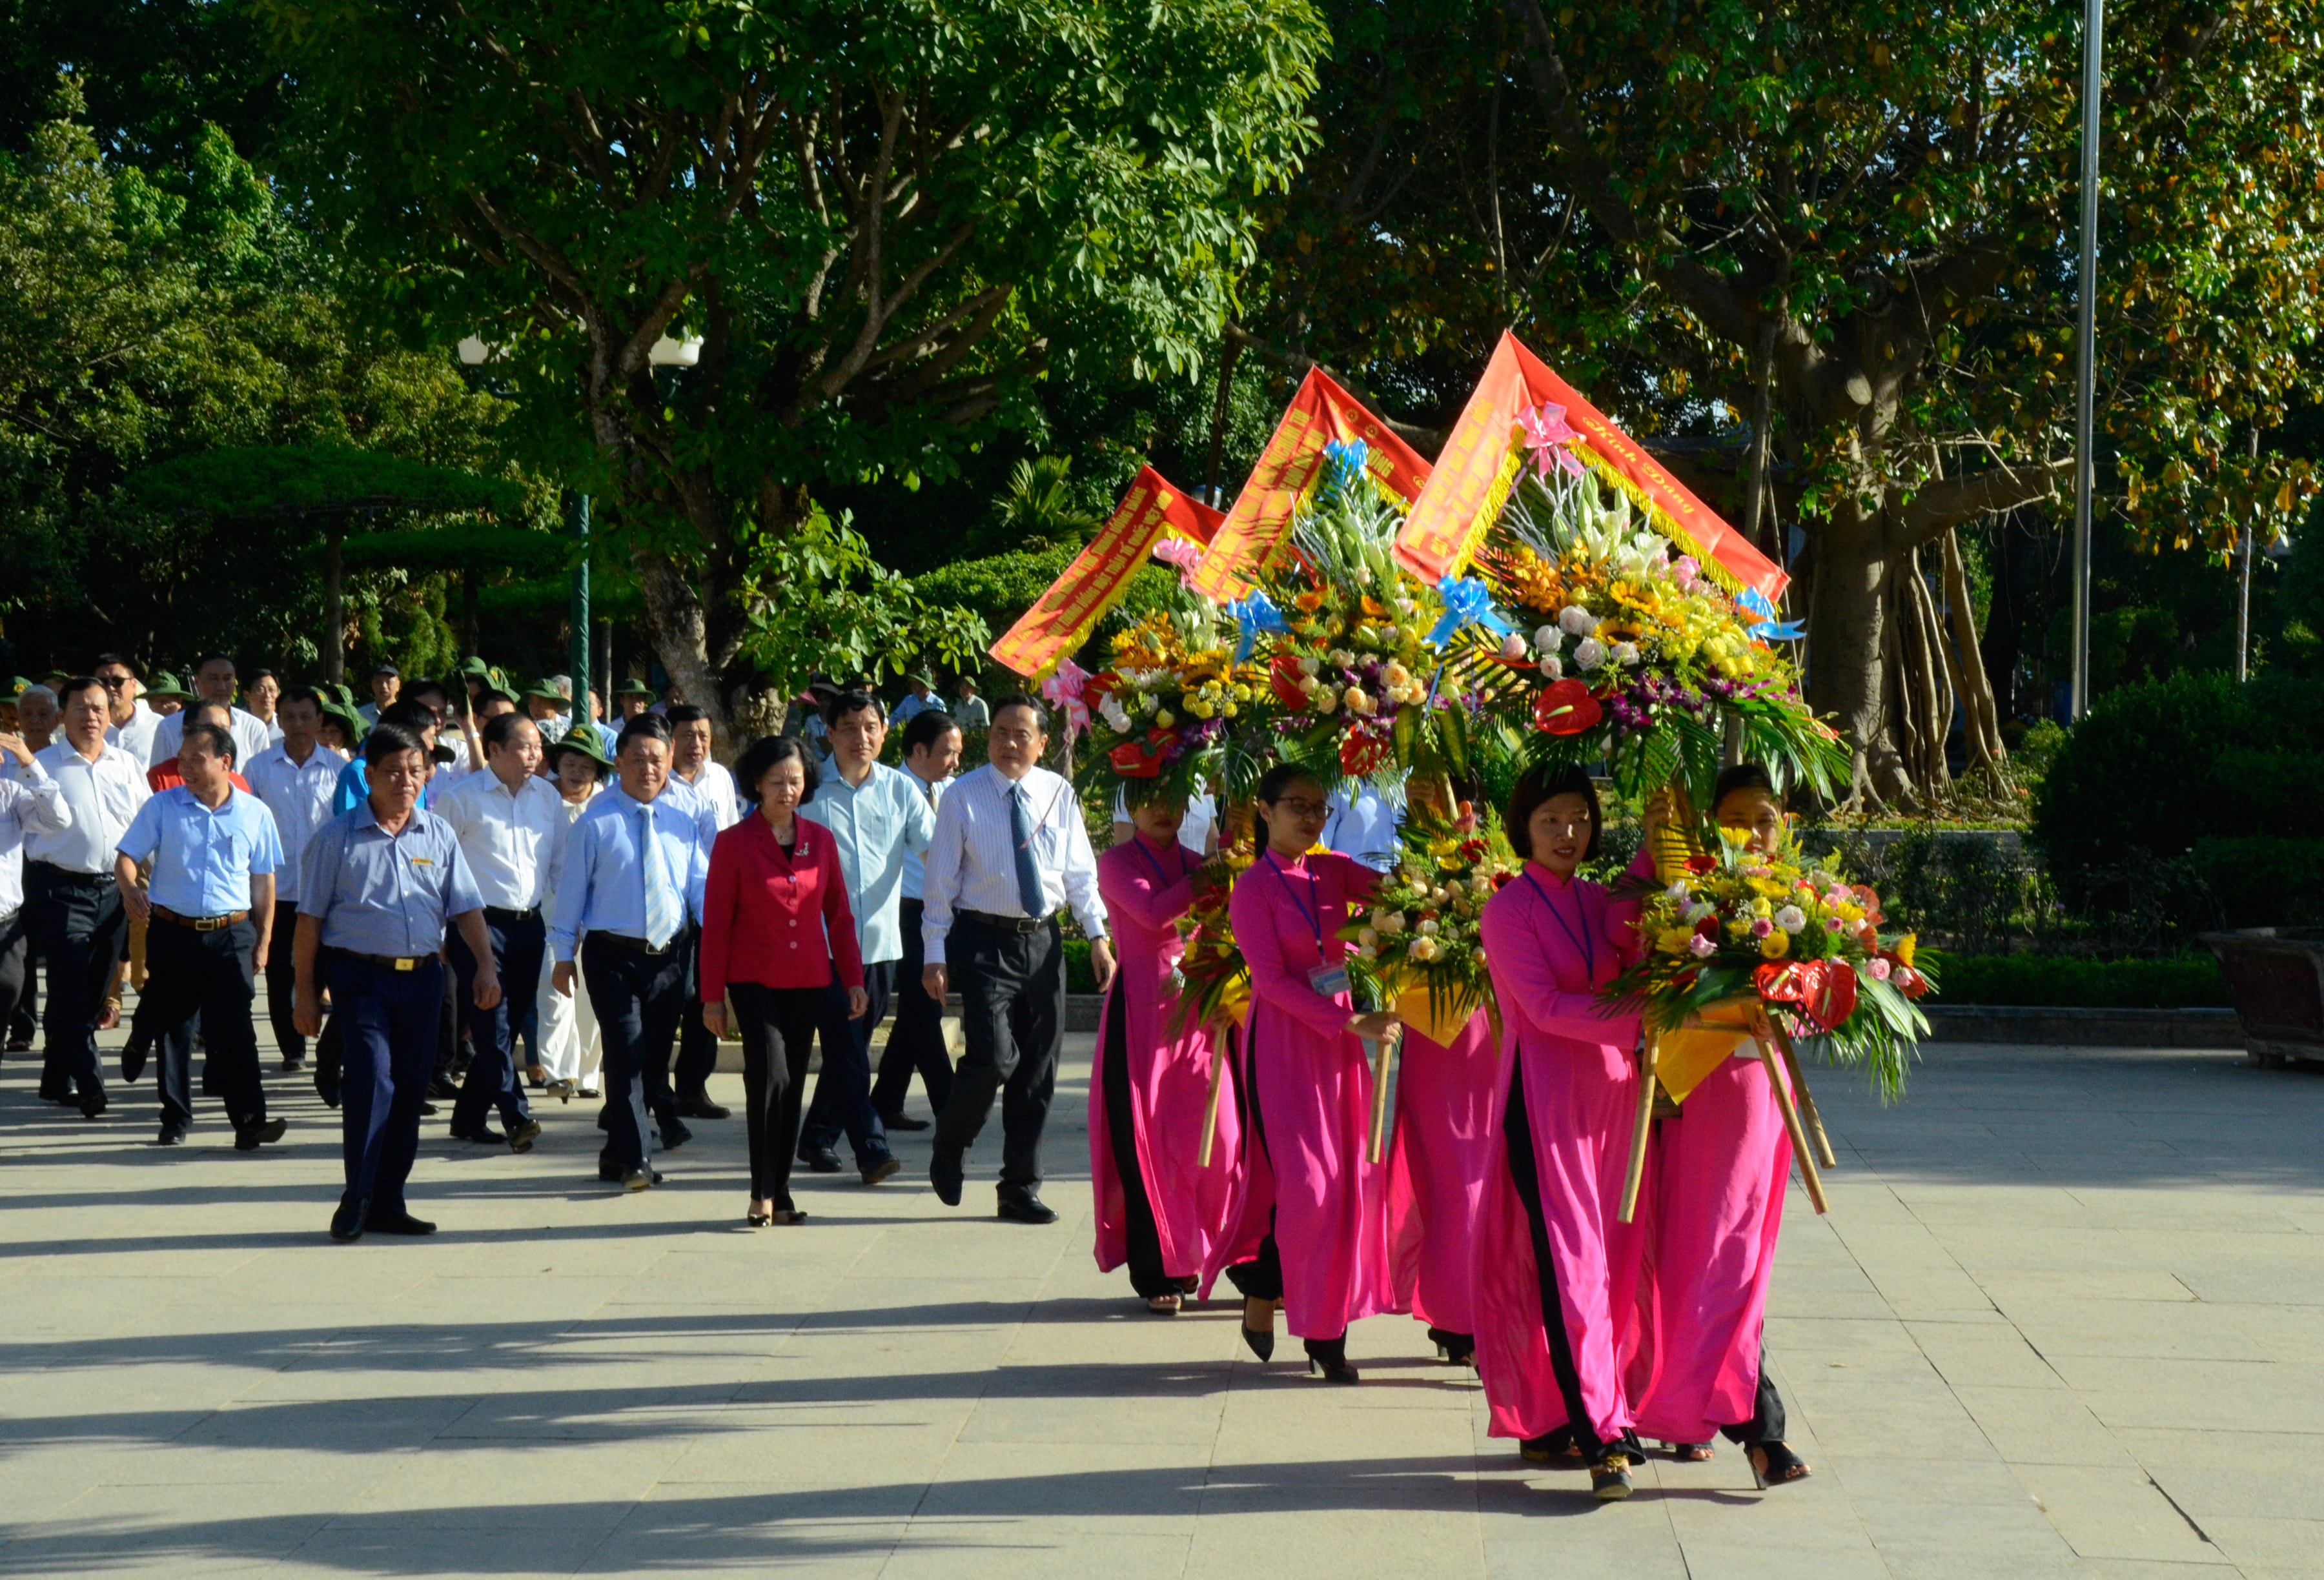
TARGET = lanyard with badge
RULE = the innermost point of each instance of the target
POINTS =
(1579, 940)
(1327, 979)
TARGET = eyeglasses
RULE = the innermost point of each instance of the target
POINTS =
(1297, 807)
(115, 681)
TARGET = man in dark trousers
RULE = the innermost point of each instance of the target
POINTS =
(1010, 850)
(633, 870)
(377, 885)
(209, 907)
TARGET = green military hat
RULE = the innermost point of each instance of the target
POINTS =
(476, 668)
(546, 694)
(499, 691)
(633, 687)
(584, 742)
(18, 686)
(349, 722)
(165, 685)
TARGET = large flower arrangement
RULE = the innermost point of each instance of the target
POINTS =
(1638, 658)
(1357, 649)
(1804, 943)
(1420, 934)
(1170, 715)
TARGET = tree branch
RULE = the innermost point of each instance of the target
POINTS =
(1939, 506)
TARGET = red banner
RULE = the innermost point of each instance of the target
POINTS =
(1320, 413)
(1060, 619)
(1479, 462)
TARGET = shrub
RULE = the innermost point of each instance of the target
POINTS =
(2190, 770)
(2185, 981)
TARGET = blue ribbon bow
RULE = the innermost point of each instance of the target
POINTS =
(1255, 614)
(1344, 465)
(1766, 627)
(1467, 602)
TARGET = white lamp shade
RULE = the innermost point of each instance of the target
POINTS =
(675, 353)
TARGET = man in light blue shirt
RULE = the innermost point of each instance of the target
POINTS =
(916, 1041)
(209, 910)
(633, 869)
(298, 779)
(376, 887)
(878, 816)
(917, 701)
(1361, 823)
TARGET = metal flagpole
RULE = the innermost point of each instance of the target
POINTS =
(2084, 354)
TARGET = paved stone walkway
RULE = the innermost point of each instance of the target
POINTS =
(2063, 1320)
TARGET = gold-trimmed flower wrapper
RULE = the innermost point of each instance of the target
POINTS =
(1419, 935)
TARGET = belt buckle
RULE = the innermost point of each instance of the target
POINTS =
(208, 923)
(405, 963)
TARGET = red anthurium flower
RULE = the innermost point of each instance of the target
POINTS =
(1361, 754)
(1699, 865)
(1282, 676)
(1133, 760)
(1565, 707)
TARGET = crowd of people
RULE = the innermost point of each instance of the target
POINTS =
(464, 895)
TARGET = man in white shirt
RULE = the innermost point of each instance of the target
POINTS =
(77, 912)
(917, 1040)
(29, 799)
(36, 721)
(296, 781)
(130, 722)
(386, 682)
(1364, 823)
(1009, 850)
(507, 819)
(878, 816)
(213, 682)
(262, 695)
(694, 772)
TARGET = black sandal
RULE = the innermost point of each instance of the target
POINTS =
(1554, 1447)
(1163, 1305)
(1691, 1453)
(1610, 1478)
(1772, 1464)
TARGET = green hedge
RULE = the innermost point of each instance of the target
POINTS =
(1079, 978)
(2182, 982)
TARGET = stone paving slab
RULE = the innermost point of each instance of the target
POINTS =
(2061, 1320)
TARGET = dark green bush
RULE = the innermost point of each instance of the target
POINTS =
(2179, 982)
(2188, 771)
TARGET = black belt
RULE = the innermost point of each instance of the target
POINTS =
(636, 945)
(387, 962)
(56, 874)
(1000, 924)
(506, 917)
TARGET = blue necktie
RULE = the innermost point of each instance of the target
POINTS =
(1028, 871)
(662, 900)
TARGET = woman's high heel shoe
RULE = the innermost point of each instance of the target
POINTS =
(757, 1219)
(1772, 1464)
(1261, 1340)
(1330, 1358)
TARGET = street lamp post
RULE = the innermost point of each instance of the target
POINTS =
(2085, 353)
(664, 353)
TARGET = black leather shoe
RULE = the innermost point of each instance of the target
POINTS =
(904, 1122)
(702, 1108)
(251, 1137)
(521, 1136)
(347, 1222)
(172, 1135)
(403, 1223)
(132, 1060)
(675, 1135)
(440, 1086)
(885, 1169)
(292, 1066)
(818, 1159)
(483, 1136)
(428, 1110)
(944, 1173)
(641, 1179)
(93, 1105)
(1022, 1207)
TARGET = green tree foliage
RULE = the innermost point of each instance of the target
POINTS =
(822, 605)
(157, 75)
(1859, 216)
(150, 315)
(885, 220)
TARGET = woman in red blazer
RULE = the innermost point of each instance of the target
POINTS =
(775, 926)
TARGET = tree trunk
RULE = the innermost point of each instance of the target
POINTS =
(1846, 644)
(334, 605)
(1981, 722)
